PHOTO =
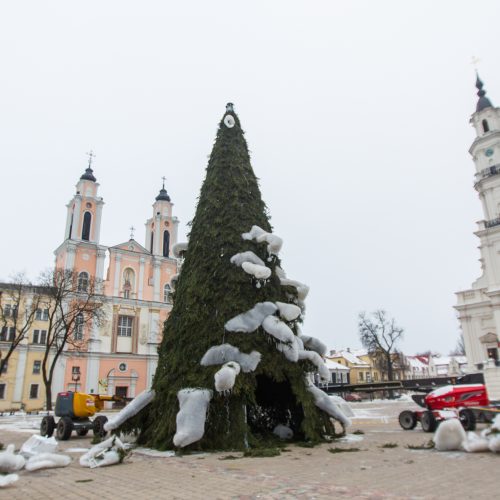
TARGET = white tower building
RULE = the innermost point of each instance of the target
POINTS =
(479, 307)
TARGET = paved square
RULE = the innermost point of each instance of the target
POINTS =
(373, 472)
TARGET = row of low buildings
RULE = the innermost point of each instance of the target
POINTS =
(119, 355)
(357, 366)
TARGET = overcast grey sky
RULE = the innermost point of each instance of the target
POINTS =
(356, 114)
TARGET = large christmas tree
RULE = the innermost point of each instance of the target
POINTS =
(232, 363)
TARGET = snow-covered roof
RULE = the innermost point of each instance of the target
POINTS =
(446, 360)
(350, 357)
(332, 365)
(416, 363)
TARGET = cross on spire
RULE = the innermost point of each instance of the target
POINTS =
(91, 156)
(132, 229)
(164, 179)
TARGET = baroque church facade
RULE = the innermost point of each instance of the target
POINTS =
(479, 307)
(120, 354)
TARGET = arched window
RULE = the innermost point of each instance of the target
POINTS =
(71, 226)
(167, 294)
(78, 335)
(128, 282)
(166, 242)
(87, 219)
(83, 282)
(152, 241)
(486, 127)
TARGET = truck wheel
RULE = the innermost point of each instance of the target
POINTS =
(428, 421)
(98, 426)
(468, 419)
(407, 420)
(47, 426)
(82, 432)
(64, 428)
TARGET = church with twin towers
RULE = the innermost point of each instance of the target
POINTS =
(135, 282)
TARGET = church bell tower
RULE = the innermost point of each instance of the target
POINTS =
(81, 251)
(479, 307)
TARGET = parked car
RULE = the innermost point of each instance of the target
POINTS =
(352, 397)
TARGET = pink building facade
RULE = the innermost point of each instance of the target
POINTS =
(120, 354)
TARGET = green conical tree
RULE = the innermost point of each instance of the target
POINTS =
(209, 292)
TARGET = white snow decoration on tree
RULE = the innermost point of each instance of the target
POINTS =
(278, 329)
(298, 341)
(134, 407)
(274, 243)
(323, 402)
(254, 233)
(47, 461)
(288, 312)
(342, 405)
(317, 360)
(9, 461)
(191, 417)
(302, 290)
(179, 248)
(283, 431)
(226, 377)
(104, 453)
(314, 344)
(302, 305)
(220, 354)
(475, 443)
(249, 256)
(249, 321)
(449, 435)
(8, 480)
(229, 121)
(259, 272)
(290, 351)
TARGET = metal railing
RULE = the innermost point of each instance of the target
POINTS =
(492, 222)
(488, 172)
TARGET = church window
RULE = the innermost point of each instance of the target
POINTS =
(87, 219)
(83, 282)
(486, 127)
(167, 294)
(125, 326)
(166, 243)
(493, 353)
(152, 241)
(78, 335)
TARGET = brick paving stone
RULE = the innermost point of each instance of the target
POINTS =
(302, 473)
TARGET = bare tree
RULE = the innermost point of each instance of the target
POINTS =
(19, 307)
(460, 347)
(380, 336)
(75, 305)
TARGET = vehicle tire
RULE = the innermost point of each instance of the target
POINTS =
(47, 426)
(82, 431)
(64, 428)
(98, 426)
(428, 421)
(467, 419)
(407, 420)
